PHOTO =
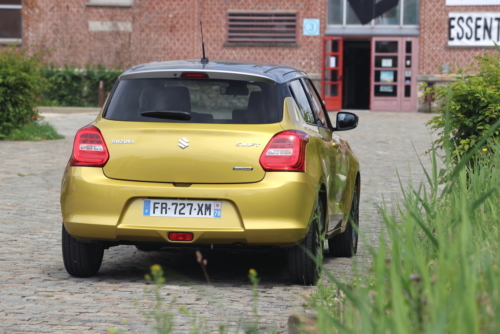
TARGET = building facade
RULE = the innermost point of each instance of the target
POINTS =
(362, 54)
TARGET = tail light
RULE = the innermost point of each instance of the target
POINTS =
(286, 152)
(180, 236)
(89, 148)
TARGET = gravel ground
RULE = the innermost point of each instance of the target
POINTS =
(37, 295)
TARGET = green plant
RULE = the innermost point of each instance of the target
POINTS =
(20, 87)
(473, 103)
(66, 86)
(254, 279)
(161, 314)
(94, 74)
(77, 87)
(34, 131)
(436, 269)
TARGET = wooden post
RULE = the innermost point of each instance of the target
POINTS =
(100, 100)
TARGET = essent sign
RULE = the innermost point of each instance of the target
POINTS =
(473, 29)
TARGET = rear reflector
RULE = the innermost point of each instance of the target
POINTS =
(89, 148)
(286, 152)
(180, 236)
(199, 75)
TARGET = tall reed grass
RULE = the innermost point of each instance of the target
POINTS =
(436, 269)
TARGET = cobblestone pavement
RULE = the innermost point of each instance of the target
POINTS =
(37, 295)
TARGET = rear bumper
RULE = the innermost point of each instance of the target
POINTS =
(275, 211)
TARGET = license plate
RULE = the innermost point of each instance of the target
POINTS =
(182, 208)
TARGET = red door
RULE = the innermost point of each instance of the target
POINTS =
(331, 78)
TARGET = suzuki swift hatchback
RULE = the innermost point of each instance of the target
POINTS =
(222, 154)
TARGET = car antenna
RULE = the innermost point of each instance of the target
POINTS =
(204, 60)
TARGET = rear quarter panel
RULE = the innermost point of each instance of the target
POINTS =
(324, 170)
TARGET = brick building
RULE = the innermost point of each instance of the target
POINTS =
(362, 57)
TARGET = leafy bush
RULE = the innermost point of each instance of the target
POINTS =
(473, 101)
(66, 87)
(34, 131)
(74, 87)
(92, 77)
(21, 84)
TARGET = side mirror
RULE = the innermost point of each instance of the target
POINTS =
(346, 121)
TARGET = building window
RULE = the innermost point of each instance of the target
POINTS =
(261, 27)
(381, 13)
(11, 21)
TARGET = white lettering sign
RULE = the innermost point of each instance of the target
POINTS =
(472, 2)
(333, 61)
(473, 29)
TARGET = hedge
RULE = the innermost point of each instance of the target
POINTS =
(20, 88)
(72, 87)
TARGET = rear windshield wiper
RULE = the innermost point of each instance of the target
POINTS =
(168, 114)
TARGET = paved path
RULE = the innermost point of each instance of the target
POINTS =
(37, 295)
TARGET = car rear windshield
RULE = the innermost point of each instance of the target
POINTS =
(203, 100)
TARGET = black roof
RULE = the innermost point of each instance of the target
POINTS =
(220, 69)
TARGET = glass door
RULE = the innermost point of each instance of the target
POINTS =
(331, 78)
(394, 68)
(409, 99)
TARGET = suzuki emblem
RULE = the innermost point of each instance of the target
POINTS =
(183, 143)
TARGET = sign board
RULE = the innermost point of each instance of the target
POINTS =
(473, 29)
(311, 27)
(333, 61)
(387, 62)
(472, 2)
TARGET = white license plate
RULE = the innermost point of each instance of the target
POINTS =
(182, 208)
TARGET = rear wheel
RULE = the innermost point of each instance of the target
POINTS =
(303, 269)
(81, 259)
(346, 244)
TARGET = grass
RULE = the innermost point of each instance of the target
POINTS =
(34, 131)
(437, 266)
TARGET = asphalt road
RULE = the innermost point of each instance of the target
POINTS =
(37, 295)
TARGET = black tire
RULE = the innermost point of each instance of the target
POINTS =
(303, 269)
(346, 244)
(148, 248)
(81, 259)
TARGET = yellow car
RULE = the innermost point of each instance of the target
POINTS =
(220, 153)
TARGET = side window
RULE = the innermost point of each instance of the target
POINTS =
(316, 103)
(302, 102)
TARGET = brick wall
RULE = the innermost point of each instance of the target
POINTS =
(160, 30)
(434, 50)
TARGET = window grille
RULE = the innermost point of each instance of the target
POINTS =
(261, 27)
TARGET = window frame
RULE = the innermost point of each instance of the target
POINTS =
(372, 24)
(314, 91)
(307, 98)
(110, 3)
(317, 121)
(259, 42)
(13, 40)
(274, 115)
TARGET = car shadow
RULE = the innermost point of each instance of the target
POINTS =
(224, 266)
